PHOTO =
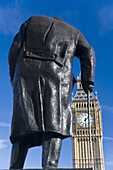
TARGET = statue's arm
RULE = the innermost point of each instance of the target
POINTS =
(86, 55)
(13, 54)
(14, 50)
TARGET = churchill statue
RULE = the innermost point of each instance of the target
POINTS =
(40, 67)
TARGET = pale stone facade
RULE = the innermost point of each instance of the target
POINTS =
(80, 136)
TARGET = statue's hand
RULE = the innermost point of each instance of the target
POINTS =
(88, 86)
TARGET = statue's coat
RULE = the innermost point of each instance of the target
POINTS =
(40, 62)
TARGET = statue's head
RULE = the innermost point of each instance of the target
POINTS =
(58, 18)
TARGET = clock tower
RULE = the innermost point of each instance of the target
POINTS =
(80, 135)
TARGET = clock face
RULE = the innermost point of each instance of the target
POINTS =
(83, 120)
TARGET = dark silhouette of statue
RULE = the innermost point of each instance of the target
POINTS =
(40, 61)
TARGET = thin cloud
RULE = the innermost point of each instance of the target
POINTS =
(4, 124)
(110, 163)
(108, 108)
(108, 138)
(3, 144)
(105, 15)
(11, 17)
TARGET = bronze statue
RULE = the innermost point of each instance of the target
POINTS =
(40, 62)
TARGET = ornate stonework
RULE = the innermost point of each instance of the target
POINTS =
(80, 136)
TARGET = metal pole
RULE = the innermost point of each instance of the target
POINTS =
(88, 100)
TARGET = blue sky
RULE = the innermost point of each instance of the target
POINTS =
(94, 18)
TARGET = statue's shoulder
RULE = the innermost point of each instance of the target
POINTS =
(40, 18)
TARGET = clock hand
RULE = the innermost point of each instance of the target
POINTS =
(86, 118)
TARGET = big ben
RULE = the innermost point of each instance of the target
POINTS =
(80, 135)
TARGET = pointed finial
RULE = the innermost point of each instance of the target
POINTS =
(96, 94)
(79, 76)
